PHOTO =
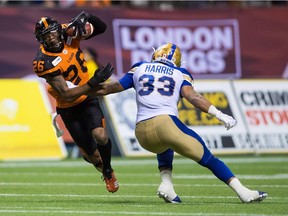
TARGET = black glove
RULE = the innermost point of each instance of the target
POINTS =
(79, 23)
(101, 75)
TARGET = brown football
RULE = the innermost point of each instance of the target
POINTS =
(89, 30)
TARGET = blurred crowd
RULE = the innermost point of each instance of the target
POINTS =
(162, 5)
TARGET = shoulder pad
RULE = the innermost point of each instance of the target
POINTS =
(187, 75)
(138, 64)
(44, 63)
(185, 72)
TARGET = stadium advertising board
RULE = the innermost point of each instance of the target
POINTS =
(264, 105)
(210, 48)
(213, 132)
(26, 130)
(260, 108)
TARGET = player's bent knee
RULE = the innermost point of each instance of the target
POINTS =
(206, 159)
(100, 136)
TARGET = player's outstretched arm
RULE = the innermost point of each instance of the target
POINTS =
(204, 105)
(106, 88)
(195, 98)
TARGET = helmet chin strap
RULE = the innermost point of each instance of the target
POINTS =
(54, 48)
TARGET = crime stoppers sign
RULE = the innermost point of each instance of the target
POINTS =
(264, 105)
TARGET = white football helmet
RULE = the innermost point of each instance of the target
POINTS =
(167, 53)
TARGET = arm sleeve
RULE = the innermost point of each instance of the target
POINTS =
(127, 80)
(98, 24)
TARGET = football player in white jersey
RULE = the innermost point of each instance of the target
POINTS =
(159, 85)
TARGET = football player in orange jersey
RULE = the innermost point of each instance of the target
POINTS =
(60, 62)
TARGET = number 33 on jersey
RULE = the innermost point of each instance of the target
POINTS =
(152, 81)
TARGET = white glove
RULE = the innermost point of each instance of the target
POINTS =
(59, 132)
(229, 121)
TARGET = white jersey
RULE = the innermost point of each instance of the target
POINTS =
(158, 88)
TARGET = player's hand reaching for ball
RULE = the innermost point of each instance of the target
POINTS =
(101, 75)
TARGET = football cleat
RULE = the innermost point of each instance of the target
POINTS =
(167, 193)
(258, 198)
(111, 182)
(169, 199)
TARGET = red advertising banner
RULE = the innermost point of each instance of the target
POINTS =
(209, 47)
(216, 43)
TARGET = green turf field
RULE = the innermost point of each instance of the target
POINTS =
(73, 187)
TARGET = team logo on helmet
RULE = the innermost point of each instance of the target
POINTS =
(167, 53)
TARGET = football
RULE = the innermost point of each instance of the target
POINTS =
(89, 30)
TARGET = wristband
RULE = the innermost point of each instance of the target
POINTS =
(213, 110)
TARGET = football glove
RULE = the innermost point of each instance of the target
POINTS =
(79, 24)
(59, 132)
(101, 75)
(229, 121)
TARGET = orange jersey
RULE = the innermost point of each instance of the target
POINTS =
(69, 63)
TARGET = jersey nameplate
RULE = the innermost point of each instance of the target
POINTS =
(56, 61)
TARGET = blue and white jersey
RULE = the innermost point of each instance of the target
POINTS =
(158, 88)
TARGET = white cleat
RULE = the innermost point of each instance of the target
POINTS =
(167, 193)
(258, 198)
(169, 199)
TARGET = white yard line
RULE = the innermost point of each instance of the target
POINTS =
(98, 196)
(125, 213)
(124, 196)
(63, 184)
(176, 176)
(136, 162)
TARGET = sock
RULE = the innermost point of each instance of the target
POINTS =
(243, 193)
(105, 152)
(236, 185)
(166, 176)
(165, 159)
(218, 167)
